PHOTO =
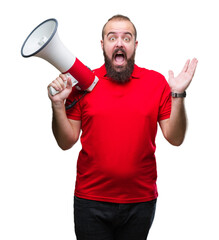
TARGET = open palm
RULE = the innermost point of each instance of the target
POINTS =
(180, 83)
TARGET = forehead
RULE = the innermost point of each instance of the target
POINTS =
(119, 26)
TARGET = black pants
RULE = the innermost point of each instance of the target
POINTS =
(96, 220)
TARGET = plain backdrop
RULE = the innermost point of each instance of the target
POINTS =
(37, 178)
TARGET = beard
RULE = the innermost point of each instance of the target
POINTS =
(120, 74)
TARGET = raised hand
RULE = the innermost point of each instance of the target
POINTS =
(180, 83)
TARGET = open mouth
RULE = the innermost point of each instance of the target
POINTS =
(119, 56)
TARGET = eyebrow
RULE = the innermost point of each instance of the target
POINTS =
(116, 33)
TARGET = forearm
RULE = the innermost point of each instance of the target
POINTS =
(62, 128)
(176, 128)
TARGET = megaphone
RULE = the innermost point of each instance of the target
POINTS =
(44, 42)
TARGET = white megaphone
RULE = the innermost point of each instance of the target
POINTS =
(44, 42)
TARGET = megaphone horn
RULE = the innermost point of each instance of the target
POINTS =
(44, 42)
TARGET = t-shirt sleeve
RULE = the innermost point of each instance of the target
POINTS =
(165, 103)
(74, 112)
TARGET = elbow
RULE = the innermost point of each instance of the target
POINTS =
(175, 138)
(65, 148)
(66, 145)
(177, 141)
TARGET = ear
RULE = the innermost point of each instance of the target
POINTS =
(101, 44)
(136, 44)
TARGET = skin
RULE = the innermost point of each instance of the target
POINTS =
(174, 128)
(66, 131)
(120, 35)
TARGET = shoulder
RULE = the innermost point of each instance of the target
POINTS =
(101, 71)
(151, 75)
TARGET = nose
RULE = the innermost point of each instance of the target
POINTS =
(119, 43)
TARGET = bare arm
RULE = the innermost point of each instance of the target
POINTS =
(66, 131)
(174, 128)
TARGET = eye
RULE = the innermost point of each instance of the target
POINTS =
(127, 39)
(112, 39)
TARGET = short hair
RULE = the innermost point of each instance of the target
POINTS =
(120, 18)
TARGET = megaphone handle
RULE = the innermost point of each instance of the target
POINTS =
(73, 80)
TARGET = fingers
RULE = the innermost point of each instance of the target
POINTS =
(59, 83)
(185, 68)
(192, 67)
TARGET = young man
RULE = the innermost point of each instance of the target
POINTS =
(115, 193)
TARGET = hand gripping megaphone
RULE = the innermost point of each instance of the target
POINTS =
(44, 42)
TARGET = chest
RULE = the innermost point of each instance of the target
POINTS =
(137, 98)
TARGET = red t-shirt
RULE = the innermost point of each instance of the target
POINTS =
(119, 125)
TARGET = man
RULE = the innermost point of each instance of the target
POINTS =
(115, 193)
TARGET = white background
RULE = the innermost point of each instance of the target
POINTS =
(37, 178)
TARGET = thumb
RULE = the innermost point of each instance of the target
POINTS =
(69, 83)
(171, 74)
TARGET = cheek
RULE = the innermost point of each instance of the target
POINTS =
(109, 51)
(130, 51)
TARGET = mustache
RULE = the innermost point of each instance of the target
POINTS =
(119, 50)
(122, 76)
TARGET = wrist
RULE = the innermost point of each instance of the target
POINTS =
(176, 94)
(58, 104)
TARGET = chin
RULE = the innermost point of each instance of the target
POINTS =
(120, 68)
